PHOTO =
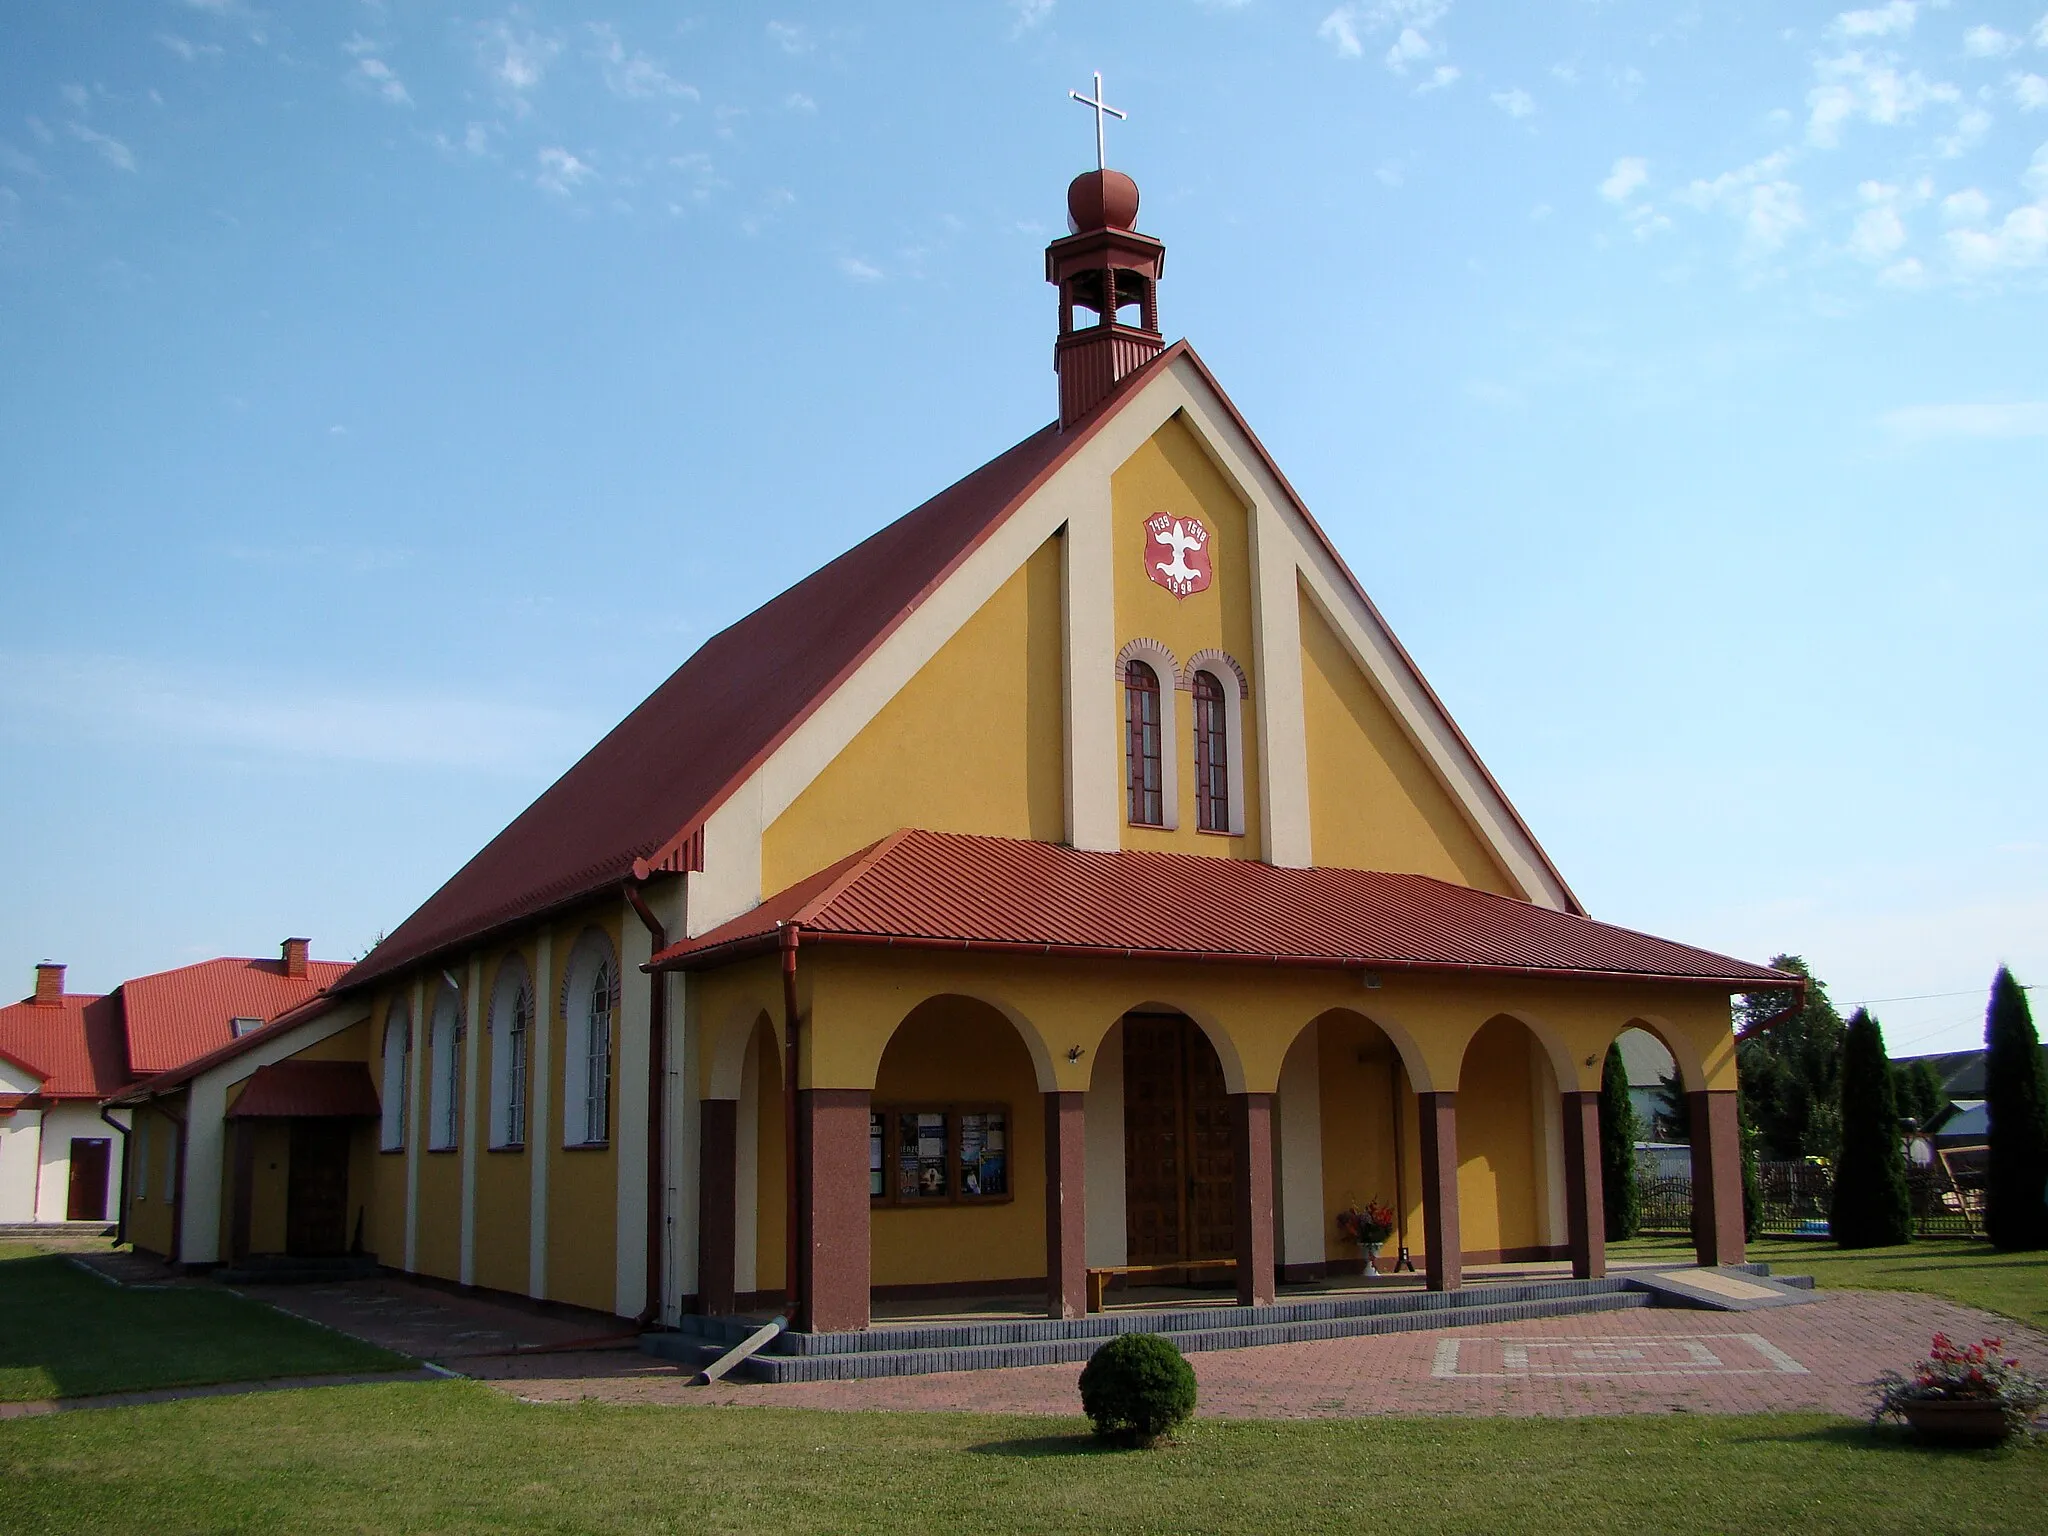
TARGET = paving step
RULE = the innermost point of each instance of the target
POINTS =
(856, 1365)
(279, 1269)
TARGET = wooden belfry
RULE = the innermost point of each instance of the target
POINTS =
(1108, 269)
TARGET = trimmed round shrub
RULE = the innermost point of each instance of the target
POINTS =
(1138, 1388)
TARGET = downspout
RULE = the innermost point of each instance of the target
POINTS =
(121, 1220)
(791, 935)
(657, 1103)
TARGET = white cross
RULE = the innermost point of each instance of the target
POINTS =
(1101, 107)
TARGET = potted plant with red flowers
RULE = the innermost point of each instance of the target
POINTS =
(1962, 1394)
(1367, 1225)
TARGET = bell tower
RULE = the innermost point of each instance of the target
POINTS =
(1108, 280)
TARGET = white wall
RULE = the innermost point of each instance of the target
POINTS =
(21, 1141)
(1298, 1133)
(1103, 1115)
(61, 1122)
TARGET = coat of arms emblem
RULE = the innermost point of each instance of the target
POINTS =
(1177, 554)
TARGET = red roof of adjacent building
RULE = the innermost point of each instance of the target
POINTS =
(937, 890)
(174, 1016)
(73, 1044)
(329, 1089)
(650, 784)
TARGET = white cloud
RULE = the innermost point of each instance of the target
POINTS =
(1410, 21)
(859, 270)
(75, 96)
(1029, 14)
(2040, 32)
(16, 163)
(187, 50)
(112, 697)
(632, 74)
(1988, 43)
(111, 149)
(1757, 196)
(797, 101)
(376, 75)
(1389, 173)
(2024, 418)
(2020, 241)
(1516, 103)
(1972, 123)
(517, 62)
(560, 172)
(790, 38)
(1895, 19)
(1441, 76)
(1859, 85)
(1879, 232)
(1566, 74)
(1968, 206)
(2031, 92)
(1629, 173)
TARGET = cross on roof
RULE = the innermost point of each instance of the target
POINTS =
(1101, 108)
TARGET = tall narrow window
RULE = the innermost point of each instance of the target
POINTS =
(444, 1039)
(1212, 755)
(597, 1081)
(1141, 718)
(397, 1071)
(511, 1019)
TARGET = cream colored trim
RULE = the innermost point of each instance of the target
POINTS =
(730, 881)
(1549, 1117)
(1102, 1134)
(629, 1114)
(539, 1138)
(206, 1124)
(1167, 666)
(1280, 711)
(471, 1131)
(1091, 720)
(1299, 1112)
(417, 1114)
(685, 1136)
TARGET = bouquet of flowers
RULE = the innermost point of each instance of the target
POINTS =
(1367, 1225)
(1977, 1373)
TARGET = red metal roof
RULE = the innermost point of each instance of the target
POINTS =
(946, 890)
(174, 1016)
(327, 1089)
(74, 1044)
(184, 1072)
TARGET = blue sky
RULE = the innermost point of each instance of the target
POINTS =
(395, 393)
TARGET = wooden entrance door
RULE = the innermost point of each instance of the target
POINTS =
(316, 1189)
(85, 1199)
(1179, 1165)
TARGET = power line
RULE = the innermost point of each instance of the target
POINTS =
(1922, 997)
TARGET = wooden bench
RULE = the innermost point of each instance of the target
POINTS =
(1098, 1279)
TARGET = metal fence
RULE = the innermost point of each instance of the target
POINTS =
(1947, 1197)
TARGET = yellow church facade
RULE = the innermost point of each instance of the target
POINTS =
(1078, 876)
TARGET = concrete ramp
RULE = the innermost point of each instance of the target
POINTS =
(1722, 1290)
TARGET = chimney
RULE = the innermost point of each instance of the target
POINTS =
(295, 958)
(1108, 276)
(49, 984)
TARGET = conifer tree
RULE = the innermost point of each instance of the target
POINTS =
(2016, 1187)
(1872, 1208)
(1792, 1071)
(1624, 1201)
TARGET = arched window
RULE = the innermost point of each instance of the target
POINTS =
(1142, 729)
(587, 1060)
(511, 1026)
(397, 1070)
(1212, 755)
(446, 1064)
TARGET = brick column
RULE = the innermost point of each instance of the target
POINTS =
(1066, 1208)
(832, 1208)
(718, 1147)
(1716, 1177)
(1439, 1127)
(1585, 1202)
(1251, 1134)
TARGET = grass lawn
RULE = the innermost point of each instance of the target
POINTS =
(65, 1333)
(1973, 1273)
(446, 1456)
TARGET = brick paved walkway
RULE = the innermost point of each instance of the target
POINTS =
(1651, 1361)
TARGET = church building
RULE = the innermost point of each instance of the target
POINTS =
(1075, 884)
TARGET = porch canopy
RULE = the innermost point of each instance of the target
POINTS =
(328, 1090)
(940, 890)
